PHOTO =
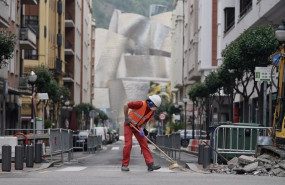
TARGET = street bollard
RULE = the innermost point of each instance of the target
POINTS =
(206, 157)
(30, 156)
(19, 159)
(6, 158)
(201, 153)
(38, 157)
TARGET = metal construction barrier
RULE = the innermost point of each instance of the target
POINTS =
(232, 140)
(94, 142)
(169, 143)
(52, 141)
(59, 142)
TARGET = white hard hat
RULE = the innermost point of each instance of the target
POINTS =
(155, 99)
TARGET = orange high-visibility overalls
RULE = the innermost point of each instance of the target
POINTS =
(137, 118)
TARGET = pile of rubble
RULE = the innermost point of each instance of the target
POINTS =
(263, 165)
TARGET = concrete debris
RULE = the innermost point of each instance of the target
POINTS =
(243, 159)
(264, 165)
(250, 167)
(232, 163)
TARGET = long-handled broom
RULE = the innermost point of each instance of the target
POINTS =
(173, 164)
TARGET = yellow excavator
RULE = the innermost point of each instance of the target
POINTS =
(278, 126)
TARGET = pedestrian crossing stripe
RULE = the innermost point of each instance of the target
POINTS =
(72, 169)
(115, 148)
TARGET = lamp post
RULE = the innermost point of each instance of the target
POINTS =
(32, 79)
(185, 143)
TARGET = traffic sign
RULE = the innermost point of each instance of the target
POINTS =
(264, 73)
(162, 116)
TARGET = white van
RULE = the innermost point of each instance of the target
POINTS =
(101, 131)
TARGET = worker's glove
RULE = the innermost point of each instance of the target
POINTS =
(141, 132)
(127, 121)
(145, 132)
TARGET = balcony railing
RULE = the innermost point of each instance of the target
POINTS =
(4, 14)
(28, 39)
(69, 22)
(68, 50)
(68, 77)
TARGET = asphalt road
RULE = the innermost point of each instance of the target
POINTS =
(104, 167)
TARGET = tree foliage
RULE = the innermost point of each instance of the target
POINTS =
(198, 91)
(7, 44)
(46, 83)
(85, 108)
(213, 83)
(251, 49)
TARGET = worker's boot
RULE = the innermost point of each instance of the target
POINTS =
(125, 168)
(151, 167)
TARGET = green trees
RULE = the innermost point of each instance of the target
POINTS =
(83, 109)
(251, 49)
(7, 44)
(47, 84)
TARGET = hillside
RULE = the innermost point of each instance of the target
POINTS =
(103, 9)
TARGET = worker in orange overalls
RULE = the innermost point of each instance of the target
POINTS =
(139, 114)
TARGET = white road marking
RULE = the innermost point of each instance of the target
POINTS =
(71, 169)
(115, 148)
(164, 170)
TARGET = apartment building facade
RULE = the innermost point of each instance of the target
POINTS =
(208, 28)
(47, 18)
(86, 25)
(11, 71)
(194, 53)
(234, 17)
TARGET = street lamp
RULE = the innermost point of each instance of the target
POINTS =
(280, 33)
(32, 79)
(185, 143)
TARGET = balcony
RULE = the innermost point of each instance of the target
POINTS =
(68, 77)
(4, 14)
(28, 39)
(69, 23)
(30, 2)
(68, 50)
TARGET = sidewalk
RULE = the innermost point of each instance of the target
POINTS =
(44, 164)
(37, 166)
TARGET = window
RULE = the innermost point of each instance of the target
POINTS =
(31, 54)
(31, 20)
(229, 18)
(245, 5)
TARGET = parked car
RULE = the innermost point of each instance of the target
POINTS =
(115, 135)
(198, 134)
(82, 137)
(102, 131)
(152, 134)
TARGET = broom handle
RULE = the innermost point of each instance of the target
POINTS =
(216, 151)
(154, 144)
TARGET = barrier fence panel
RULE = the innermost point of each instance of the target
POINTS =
(233, 140)
(169, 143)
(55, 140)
(64, 139)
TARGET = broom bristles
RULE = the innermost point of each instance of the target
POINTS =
(174, 165)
